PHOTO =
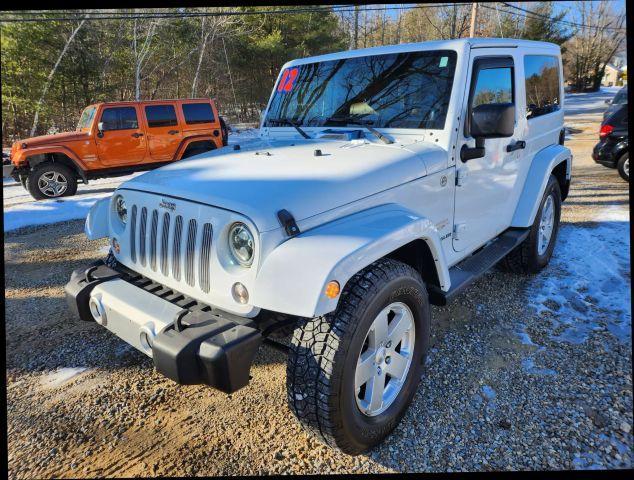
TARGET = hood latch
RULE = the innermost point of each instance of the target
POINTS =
(288, 222)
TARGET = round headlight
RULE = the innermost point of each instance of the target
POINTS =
(121, 209)
(241, 244)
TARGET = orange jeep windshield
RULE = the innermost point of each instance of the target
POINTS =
(86, 118)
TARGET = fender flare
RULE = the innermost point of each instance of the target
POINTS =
(292, 278)
(185, 142)
(544, 162)
(79, 165)
(96, 225)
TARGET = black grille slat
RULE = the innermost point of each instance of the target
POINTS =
(205, 251)
(133, 234)
(176, 248)
(153, 232)
(190, 252)
(142, 238)
(165, 244)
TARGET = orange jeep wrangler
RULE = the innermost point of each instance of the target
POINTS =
(113, 139)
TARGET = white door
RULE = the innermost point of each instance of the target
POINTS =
(485, 197)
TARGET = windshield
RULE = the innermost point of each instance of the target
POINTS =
(86, 118)
(620, 97)
(400, 90)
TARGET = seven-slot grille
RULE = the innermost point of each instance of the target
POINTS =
(171, 246)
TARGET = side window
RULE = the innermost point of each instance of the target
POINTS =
(119, 118)
(160, 115)
(541, 74)
(198, 113)
(494, 85)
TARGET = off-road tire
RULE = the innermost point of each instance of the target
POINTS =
(525, 258)
(198, 148)
(324, 351)
(34, 175)
(621, 164)
(225, 132)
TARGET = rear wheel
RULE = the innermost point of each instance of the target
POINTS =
(534, 253)
(623, 166)
(225, 132)
(51, 180)
(351, 374)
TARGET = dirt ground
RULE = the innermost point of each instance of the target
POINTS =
(81, 403)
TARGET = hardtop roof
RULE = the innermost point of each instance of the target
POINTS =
(164, 100)
(457, 44)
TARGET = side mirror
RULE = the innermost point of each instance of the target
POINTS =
(490, 120)
(493, 120)
(100, 129)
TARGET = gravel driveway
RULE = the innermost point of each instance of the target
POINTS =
(525, 372)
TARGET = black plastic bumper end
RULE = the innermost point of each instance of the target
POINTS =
(81, 283)
(207, 349)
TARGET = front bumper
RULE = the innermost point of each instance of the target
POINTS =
(189, 343)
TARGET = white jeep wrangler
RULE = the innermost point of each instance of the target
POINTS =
(383, 180)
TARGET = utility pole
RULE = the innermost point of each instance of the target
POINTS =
(474, 14)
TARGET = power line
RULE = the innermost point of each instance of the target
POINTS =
(156, 15)
(540, 15)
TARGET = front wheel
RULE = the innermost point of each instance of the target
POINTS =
(351, 374)
(51, 180)
(623, 166)
(534, 253)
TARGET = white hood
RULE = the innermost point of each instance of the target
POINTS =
(267, 176)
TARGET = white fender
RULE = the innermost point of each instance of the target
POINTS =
(96, 225)
(542, 165)
(292, 278)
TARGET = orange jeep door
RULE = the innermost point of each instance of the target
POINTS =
(120, 140)
(163, 131)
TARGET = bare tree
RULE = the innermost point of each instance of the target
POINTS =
(595, 43)
(51, 74)
(142, 53)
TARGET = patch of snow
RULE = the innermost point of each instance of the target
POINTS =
(61, 376)
(528, 364)
(586, 287)
(49, 211)
(488, 392)
(22, 210)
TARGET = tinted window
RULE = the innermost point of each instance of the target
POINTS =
(542, 85)
(620, 98)
(404, 90)
(494, 85)
(198, 113)
(161, 115)
(120, 118)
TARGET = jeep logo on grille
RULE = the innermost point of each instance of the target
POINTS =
(169, 205)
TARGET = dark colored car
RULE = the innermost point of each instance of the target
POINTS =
(619, 99)
(613, 150)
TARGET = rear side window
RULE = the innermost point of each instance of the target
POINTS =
(494, 85)
(198, 113)
(542, 85)
(119, 118)
(160, 115)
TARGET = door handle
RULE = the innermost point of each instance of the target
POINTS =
(516, 146)
(173, 132)
(137, 135)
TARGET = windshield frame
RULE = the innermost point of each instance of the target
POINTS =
(91, 119)
(457, 54)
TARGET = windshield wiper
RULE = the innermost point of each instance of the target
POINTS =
(286, 121)
(361, 123)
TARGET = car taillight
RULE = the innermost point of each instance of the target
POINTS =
(605, 130)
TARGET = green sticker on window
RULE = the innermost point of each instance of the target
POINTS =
(443, 61)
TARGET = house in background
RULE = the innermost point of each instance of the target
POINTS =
(615, 73)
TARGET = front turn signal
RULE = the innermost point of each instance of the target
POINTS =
(332, 289)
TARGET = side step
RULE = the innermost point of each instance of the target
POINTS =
(467, 271)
